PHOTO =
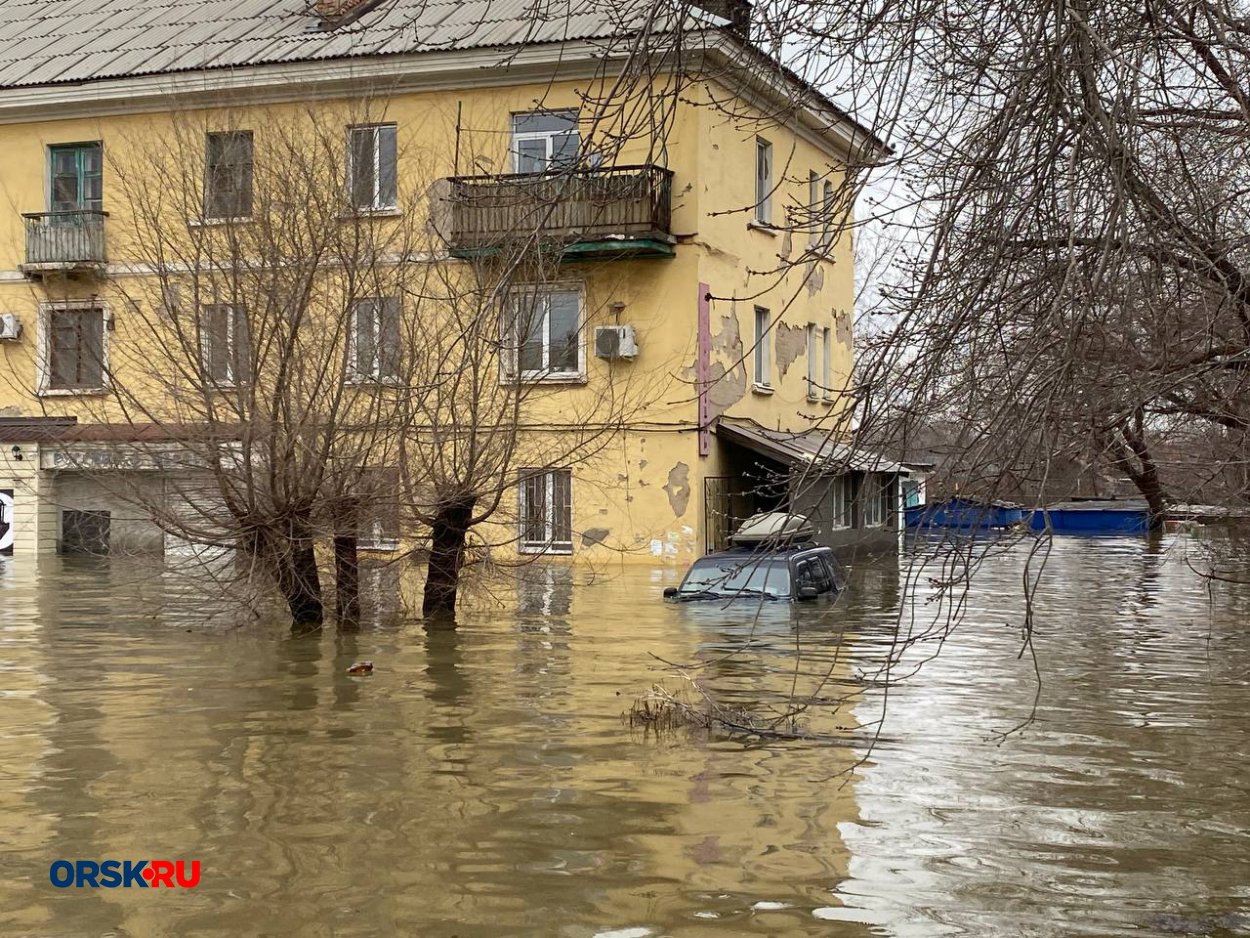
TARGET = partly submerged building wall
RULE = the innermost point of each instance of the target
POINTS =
(641, 497)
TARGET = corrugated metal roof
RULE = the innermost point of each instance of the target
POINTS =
(802, 448)
(54, 41)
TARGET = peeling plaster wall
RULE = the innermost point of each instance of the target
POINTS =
(746, 266)
(789, 344)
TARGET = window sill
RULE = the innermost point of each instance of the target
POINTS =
(369, 382)
(767, 228)
(765, 389)
(560, 551)
(72, 392)
(378, 546)
(544, 379)
(352, 213)
(218, 222)
(829, 399)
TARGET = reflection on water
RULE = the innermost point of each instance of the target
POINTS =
(481, 782)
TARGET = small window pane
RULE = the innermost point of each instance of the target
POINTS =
(562, 508)
(363, 169)
(563, 331)
(564, 149)
(387, 193)
(531, 155)
(389, 341)
(539, 122)
(534, 510)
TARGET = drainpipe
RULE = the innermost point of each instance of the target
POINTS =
(703, 370)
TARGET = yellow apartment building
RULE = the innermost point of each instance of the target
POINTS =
(686, 197)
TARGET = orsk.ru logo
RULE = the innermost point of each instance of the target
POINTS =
(110, 874)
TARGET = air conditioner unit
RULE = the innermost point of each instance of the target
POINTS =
(615, 342)
(10, 328)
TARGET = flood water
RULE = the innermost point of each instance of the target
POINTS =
(483, 783)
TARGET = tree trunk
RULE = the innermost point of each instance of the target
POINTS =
(346, 581)
(442, 580)
(1132, 457)
(300, 583)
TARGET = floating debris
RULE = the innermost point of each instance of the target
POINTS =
(361, 667)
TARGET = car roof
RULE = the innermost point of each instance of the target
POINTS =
(781, 553)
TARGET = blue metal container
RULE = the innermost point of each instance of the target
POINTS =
(1104, 517)
(964, 513)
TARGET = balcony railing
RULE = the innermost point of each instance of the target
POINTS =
(64, 241)
(622, 209)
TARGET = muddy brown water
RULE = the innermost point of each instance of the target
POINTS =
(482, 783)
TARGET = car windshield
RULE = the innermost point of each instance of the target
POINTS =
(746, 576)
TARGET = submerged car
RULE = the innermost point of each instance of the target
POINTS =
(766, 564)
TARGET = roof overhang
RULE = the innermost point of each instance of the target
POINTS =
(713, 49)
(806, 450)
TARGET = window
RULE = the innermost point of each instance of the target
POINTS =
(228, 174)
(876, 504)
(85, 531)
(375, 339)
(815, 210)
(911, 493)
(546, 511)
(763, 181)
(74, 349)
(379, 511)
(77, 177)
(545, 333)
(225, 344)
(371, 170)
(827, 349)
(762, 373)
(826, 235)
(842, 502)
(812, 361)
(544, 140)
(813, 572)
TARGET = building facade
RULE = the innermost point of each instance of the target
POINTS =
(676, 237)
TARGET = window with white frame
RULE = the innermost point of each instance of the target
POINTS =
(375, 342)
(826, 336)
(74, 348)
(875, 500)
(763, 373)
(763, 181)
(371, 167)
(543, 333)
(813, 361)
(225, 344)
(544, 140)
(826, 235)
(815, 210)
(228, 174)
(842, 501)
(546, 511)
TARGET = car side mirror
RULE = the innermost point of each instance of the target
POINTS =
(670, 592)
(807, 592)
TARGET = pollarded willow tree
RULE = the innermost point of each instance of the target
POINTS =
(315, 372)
(264, 339)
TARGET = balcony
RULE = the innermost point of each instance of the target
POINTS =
(64, 243)
(582, 213)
